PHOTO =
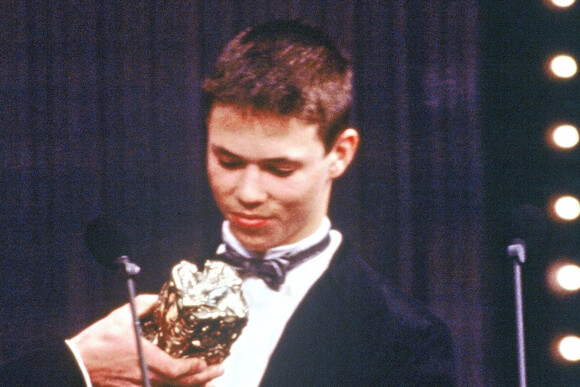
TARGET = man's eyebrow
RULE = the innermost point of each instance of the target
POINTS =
(220, 151)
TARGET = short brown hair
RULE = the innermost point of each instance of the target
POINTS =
(286, 67)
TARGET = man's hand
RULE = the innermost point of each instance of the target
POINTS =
(108, 350)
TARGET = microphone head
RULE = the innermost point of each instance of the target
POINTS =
(106, 241)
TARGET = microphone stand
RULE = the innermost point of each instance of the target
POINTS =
(131, 270)
(517, 249)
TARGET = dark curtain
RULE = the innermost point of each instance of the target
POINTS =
(100, 113)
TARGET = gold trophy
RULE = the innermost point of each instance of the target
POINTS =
(198, 313)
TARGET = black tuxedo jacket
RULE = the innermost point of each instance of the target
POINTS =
(354, 329)
(351, 329)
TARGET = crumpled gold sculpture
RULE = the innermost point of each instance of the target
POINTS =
(198, 313)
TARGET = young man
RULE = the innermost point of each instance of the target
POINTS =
(278, 136)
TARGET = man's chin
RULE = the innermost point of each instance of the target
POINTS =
(255, 242)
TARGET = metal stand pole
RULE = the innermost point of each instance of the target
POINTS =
(518, 250)
(132, 270)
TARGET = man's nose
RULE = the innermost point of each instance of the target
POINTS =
(250, 190)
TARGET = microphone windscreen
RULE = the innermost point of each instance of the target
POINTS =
(106, 241)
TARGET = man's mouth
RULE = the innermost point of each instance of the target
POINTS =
(249, 220)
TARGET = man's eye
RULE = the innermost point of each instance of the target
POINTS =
(280, 171)
(231, 164)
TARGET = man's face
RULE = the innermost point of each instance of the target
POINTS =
(269, 174)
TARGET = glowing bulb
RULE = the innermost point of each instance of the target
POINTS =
(563, 277)
(568, 277)
(563, 66)
(567, 207)
(563, 3)
(569, 348)
(565, 136)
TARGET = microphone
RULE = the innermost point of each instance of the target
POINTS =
(110, 246)
(527, 223)
(106, 241)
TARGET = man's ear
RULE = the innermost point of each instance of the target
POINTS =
(343, 151)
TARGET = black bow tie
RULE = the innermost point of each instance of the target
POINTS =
(272, 271)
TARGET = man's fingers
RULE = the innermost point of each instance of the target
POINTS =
(144, 303)
(178, 372)
(201, 378)
(162, 363)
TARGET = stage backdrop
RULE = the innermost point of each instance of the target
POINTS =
(100, 113)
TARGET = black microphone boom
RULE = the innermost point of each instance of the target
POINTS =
(110, 246)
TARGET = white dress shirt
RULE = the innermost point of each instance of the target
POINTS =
(270, 310)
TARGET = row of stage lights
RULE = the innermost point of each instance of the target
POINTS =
(563, 276)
